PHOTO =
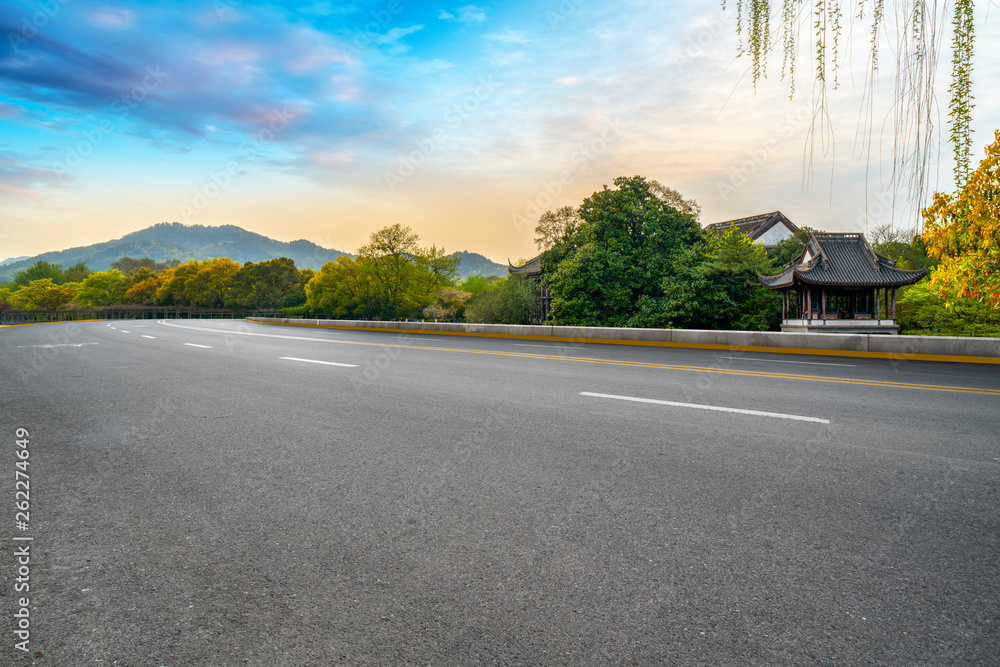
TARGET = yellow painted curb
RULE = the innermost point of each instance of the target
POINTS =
(902, 356)
(31, 324)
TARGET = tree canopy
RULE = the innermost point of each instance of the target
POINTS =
(391, 277)
(619, 254)
(963, 231)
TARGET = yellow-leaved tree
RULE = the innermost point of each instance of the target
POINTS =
(964, 232)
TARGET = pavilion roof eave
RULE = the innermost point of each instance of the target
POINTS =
(799, 278)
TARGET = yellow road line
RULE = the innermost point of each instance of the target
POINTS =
(902, 356)
(29, 324)
(612, 362)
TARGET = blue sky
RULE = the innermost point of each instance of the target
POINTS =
(329, 120)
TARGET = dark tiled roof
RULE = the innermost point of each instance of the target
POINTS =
(755, 225)
(531, 268)
(843, 260)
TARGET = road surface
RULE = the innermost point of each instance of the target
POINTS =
(227, 493)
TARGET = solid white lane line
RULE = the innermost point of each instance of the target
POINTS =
(196, 345)
(59, 345)
(316, 361)
(716, 408)
(147, 336)
(785, 361)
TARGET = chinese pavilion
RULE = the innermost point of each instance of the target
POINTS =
(840, 285)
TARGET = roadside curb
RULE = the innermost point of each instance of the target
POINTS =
(854, 342)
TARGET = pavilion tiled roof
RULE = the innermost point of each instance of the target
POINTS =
(531, 268)
(755, 225)
(843, 260)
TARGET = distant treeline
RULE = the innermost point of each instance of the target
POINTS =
(392, 277)
(629, 256)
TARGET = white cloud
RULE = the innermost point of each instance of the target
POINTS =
(393, 39)
(508, 36)
(430, 67)
(471, 14)
(568, 80)
(445, 16)
(112, 17)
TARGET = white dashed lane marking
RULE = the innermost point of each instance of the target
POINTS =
(717, 408)
(316, 361)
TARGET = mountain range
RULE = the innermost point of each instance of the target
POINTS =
(173, 240)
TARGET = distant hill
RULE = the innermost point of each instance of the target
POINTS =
(474, 264)
(172, 240)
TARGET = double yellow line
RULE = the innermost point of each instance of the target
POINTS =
(612, 362)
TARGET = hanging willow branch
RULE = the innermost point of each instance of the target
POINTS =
(960, 108)
(918, 27)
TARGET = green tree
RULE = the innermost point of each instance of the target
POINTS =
(173, 288)
(104, 288)
(42, 294)
(789, 249)
(77, 273)
(344, 288)
(733, 263)
(909, 253)
(129, 265)
(209, 287)
(474, 284)
(511, 300)
(963, 231)
(39, 271)
(5, 297)
(688, 297)
(618, 256)
(391, 253)
(272, 284)
(554, 226)
(921, 310)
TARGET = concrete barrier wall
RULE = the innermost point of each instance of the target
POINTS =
(934, 348)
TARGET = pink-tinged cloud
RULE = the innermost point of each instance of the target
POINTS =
(11, 189)
(19, 180)
(345, 90)
(10, 110)
(233, 52)
(313, 53)
(332, 159)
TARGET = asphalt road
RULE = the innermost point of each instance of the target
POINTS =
(209, 493)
